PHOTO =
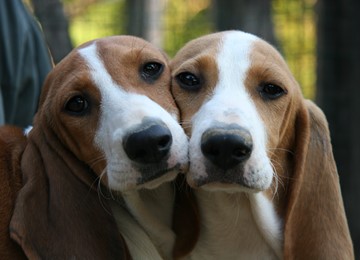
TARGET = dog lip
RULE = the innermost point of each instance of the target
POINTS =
(223, 180)
(152, 175)
(225, 186)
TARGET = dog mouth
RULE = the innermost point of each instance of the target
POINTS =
(148, 177)
(231, 180)
(154, 172)
(228, 158)
(155, 176)
(221, 179)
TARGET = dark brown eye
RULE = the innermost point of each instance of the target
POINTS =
(188, 81)
(271, 91)
(77, 105)
(151, 71)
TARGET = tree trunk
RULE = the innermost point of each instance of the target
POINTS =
(253, 16)
(144, 19)
(55, 26)
(338, 92)
(136, 16)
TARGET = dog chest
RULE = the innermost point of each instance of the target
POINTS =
(229, 229)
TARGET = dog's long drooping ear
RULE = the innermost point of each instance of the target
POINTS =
(59, 213)
(315, 221)
(186, 221)
(12, 143)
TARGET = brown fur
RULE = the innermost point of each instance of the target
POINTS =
(12, 143)
(129, 79)
(315, 221)
(200, 56)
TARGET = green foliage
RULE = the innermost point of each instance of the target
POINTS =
(184, 20)
(100, 19)
(295, 28)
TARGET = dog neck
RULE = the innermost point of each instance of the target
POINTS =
(145, 222)
(237, 225)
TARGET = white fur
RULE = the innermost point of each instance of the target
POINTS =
(120, 110)
(145, 219)
(230, 103)
(27, 130)
(267, 221)
(232, 229)
(146, 222)
(236, 223)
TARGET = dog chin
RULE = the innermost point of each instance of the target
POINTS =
(153, 184)
(228, 187)
(135, 184)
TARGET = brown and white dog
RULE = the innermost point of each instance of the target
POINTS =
(261, 162)
(96, 167)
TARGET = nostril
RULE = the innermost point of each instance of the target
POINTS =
(164, 142)
(226, 148)
(213, 151)
(149, 145)
(241, 152)
(140, 153)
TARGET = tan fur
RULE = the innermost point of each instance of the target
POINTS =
(198, 55)
(129, 78)
(306, 194)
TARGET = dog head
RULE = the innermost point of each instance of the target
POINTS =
(109, 103)
(234, 92)
(248, 123)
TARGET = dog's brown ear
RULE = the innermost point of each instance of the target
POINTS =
(186, 223)
(12, 143)
(58, 214)
(315, 221)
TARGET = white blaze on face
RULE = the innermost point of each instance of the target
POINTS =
(120, 111)
(230, 103)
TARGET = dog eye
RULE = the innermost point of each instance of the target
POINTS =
(188, 81)
(151, 71)
(271, 91)
(77, 105)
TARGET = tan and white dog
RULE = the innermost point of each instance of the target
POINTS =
(261, 161)
(92, 178)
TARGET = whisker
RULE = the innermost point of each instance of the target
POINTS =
(278, 181)
(101, 195)
(95, 161)
(281, 149)
(185, 124)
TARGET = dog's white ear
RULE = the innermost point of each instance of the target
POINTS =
(59, 213)
(315, 221)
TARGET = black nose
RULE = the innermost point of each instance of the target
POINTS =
(149, 145)
(226, 147)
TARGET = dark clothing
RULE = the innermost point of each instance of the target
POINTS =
(24, 63)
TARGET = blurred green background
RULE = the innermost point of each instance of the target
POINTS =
(183, 20)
